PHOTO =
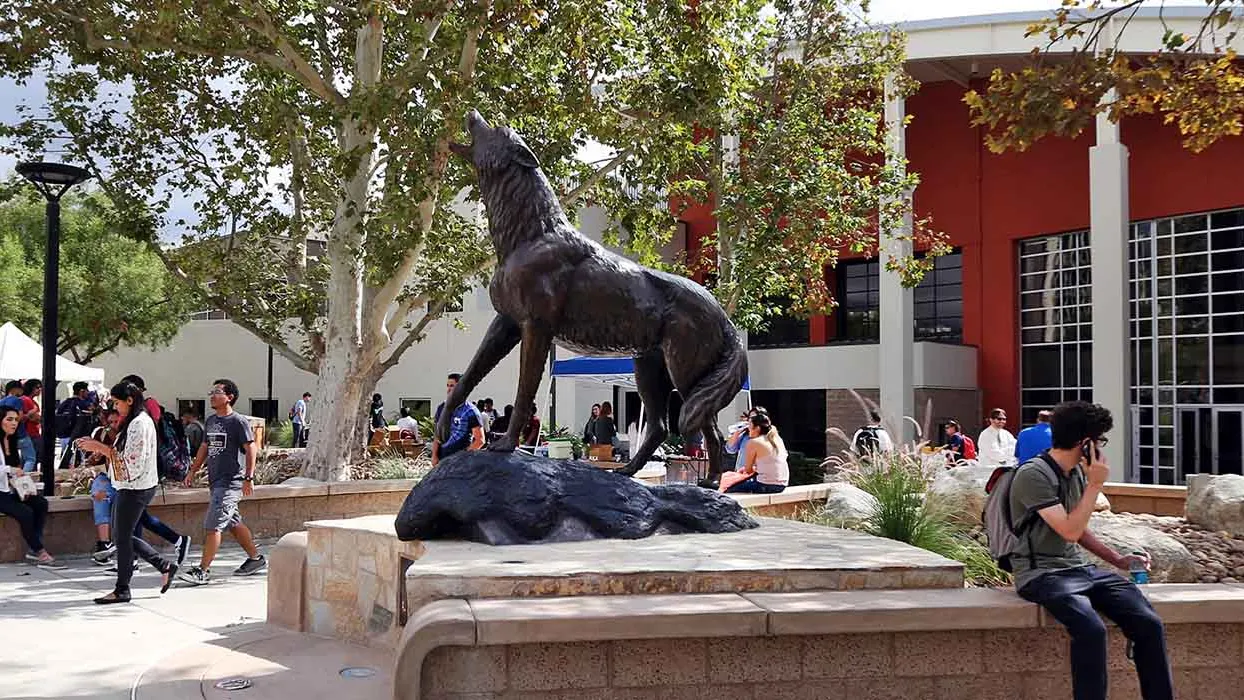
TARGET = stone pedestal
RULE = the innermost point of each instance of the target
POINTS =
(354, 585)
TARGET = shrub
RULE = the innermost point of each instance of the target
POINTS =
(280, 433)
(391, 464)
(903, 513)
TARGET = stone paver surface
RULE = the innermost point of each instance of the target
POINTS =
(777, 545)
(61, 645)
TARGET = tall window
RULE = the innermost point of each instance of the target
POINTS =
(859, 298)
(1186, 313)
(781, 331)
(1187, 333)
(800, 413)
(939, 301)
(1056, 316)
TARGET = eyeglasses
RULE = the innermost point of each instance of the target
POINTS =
(216, 392)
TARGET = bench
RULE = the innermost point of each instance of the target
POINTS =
(947, 643)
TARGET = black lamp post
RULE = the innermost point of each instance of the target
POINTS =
(52, 180)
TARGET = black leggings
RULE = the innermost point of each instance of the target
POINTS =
(126, 510)
(30, 514)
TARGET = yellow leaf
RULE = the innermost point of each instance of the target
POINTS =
(1068, 103)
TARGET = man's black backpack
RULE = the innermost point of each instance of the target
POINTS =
(173, 450)
(867, 441)
(66, 414)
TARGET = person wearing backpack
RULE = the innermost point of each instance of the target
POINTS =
(1051, 499)
(872, 438)
(959, 447)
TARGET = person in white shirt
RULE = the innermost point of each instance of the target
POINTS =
(996, 445)
(132, 463)
(407, 424)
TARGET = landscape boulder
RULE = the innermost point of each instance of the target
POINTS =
(848, 505)
(502, 498)
(1171, 560)
(1216, 502)
(961, 492)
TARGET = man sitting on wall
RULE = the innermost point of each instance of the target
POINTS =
(1051, 499)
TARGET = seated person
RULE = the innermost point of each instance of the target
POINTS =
(1052, 498)
(765, 469)
(30, 512)
(408, 427)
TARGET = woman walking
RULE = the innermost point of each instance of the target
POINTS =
(30, 512)
(132, 462)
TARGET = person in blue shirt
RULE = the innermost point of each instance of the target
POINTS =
(12, 398)
(1034, 440)
(467, 432)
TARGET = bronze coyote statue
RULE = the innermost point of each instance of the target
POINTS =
(552, 285)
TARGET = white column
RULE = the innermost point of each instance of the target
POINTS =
(1112, 355)
(897, 317)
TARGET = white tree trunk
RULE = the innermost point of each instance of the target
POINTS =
(351, 354)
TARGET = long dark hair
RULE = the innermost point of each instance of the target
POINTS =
(764, 425)
(10, 441)
(123, 392)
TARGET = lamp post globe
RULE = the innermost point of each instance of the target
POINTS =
(52, 180)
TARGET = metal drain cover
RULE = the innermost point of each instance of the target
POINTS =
(233, 684)
(357, 672)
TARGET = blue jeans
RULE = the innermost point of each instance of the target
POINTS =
(30, 456)
(753, 485)
(102, 511)
(1075, 598)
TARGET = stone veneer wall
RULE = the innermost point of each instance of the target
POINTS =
(1009, 664)
(843, 411)
(271, 512)
(963, 405)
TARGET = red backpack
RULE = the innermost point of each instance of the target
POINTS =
(969, 448)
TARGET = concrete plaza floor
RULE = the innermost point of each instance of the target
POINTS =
(59, 644)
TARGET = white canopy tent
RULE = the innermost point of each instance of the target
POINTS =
(22, 358)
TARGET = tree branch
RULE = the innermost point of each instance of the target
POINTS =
(95, 352)
(281, 63)
(573, 195)
(414, 336)
(392, 287)
(236, 315)
(303, 70)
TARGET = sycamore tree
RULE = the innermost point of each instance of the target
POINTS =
(796, 161)
(1193, 79)
(113, 291)
(229, 134)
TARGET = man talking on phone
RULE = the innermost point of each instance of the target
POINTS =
(1052, 497)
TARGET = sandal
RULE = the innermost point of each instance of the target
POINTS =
(112, 598)
(169, 575)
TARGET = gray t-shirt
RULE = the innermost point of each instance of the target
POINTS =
(226, 438)
(1036, 486)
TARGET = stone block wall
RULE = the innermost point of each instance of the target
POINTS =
(963, 405)
(1009, 664)
(273, 511)
(352, 579)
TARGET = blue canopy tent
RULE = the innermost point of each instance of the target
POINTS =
(611, 370)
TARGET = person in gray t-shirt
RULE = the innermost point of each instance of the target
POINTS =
(228, 450)
(1052, 498)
